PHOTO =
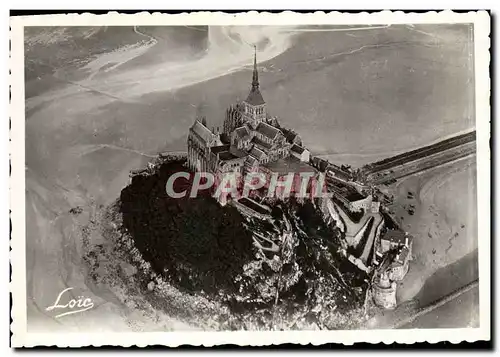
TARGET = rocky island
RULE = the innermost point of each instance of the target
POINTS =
(268, 258)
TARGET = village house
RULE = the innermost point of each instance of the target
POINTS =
(400, 265)
(395, 238)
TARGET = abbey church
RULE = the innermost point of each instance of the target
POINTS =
(251, 140)
(254, 141)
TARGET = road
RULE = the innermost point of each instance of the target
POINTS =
(421, 159)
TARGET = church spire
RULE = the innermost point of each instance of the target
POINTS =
(255, 97)
(255, 78)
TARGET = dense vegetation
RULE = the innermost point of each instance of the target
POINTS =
(197, 243)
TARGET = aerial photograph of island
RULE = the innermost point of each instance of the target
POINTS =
(221, 178)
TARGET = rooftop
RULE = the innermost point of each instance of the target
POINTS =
(347, 191)
(257, 153)
(289, 165)
(267, 130)
(251, 160)
(337, 172)
(320, 163)
(226, 156)
(298, 149)
(401, 256)
(289, 134)
(237, 152)
(255, 97)
(224, 138)
(242, 132)
(218, 149)
(202, 131)
(397, 236)
(261, 143)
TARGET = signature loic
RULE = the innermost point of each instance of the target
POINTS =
(73, 306)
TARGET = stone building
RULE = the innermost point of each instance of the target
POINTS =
(250, 139)
(361, 203)
(400, 243)
(400, 265)
(375, 207)
(384, 292)
(395, 238)
(233, 119)
(391, 261)
(347, 195)
(300, 153)
(200, 141)
(336, 173)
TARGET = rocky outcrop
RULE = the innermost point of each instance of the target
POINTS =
(330, 213)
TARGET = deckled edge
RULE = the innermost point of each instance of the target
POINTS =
(21, 338)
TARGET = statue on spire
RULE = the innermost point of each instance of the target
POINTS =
(255, 78)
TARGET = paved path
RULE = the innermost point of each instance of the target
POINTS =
(371, 239)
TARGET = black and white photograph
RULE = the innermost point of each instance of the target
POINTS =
(200, 176)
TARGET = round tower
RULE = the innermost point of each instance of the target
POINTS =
(384, 292)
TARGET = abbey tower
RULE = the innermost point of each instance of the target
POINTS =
(254, 111)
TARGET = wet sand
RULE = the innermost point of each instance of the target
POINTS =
(459, 313)
(444, 227)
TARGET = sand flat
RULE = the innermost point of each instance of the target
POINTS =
(444, 227)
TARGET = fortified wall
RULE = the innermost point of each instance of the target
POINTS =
(432, 159)
(157, 161)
